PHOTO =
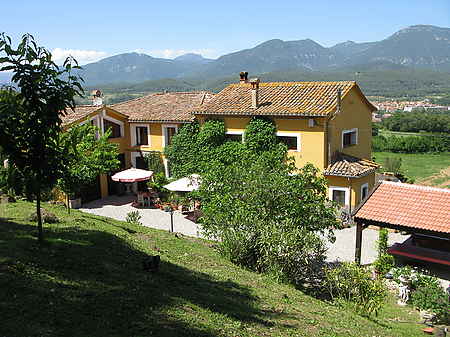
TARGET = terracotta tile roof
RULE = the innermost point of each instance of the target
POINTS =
(344, 165)
(79, 113)
(171, 106)
(407, 205)
(280, 98)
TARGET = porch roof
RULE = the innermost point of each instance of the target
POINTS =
(344, 165)
(407, 207)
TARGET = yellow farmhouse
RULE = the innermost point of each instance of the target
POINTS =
(138, 126)
(327, 124)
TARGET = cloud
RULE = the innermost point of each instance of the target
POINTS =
(82, 56)
(172, 53)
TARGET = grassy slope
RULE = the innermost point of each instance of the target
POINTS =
(88, 281)
(418, 166)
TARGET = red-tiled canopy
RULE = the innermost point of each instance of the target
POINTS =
(407, 206)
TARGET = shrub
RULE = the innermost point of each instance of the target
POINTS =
(432, 297)
(47, 217)
(352, 284)
(382, 243)
(427, 292)
(134, 217)
(393, 165)
(384, 264)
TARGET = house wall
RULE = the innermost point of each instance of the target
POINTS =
(354, 114)
(312, 139)
(155, 136)
(354, 184)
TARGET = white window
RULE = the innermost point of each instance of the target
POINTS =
(237, 136)
(364, 190)
(169, 130)
(117, 127)
(290, 139)
(340, 195)
(349, 137)
(140, 134)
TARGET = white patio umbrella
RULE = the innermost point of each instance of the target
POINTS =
(132, 175)
(186, 184)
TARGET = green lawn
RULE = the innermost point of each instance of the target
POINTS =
(88, 281)
(418, 166)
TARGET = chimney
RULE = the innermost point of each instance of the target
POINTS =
(243, 77)
(255, 88)
(97, 97)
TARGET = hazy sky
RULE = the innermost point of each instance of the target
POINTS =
(93, 29)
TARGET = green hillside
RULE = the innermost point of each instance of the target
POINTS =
(88, 281)
(374, 80)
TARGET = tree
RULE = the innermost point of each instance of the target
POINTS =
(30, 116)
(267, 215)
(86, 155)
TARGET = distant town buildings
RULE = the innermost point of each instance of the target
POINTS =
(410, 106)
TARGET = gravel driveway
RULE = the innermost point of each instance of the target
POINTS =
(118, 207)
(342, 250)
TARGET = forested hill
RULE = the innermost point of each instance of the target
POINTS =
(415, 47)
(388, 83)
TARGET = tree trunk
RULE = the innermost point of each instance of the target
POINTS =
(68, 203)
(39, 217)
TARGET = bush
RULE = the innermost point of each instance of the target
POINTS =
(352, 284)
(134, 217)
(384, 264)
(432, 297)
(426, 292)
(383, 236)
(47, 217)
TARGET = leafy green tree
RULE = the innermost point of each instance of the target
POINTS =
(260, 135)
(30, 116)
(86, 155)
(268, 215)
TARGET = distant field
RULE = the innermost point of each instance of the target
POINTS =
(425, 168)
(387, 133)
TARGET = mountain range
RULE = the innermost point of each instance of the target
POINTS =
(419, 46)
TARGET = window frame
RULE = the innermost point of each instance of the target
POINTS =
(115, 121)
(331, 189)
(236, 132)
(134, 140)
(365, 185)
(139, 141)
(344, 132)
(164, 132)
(291, 134)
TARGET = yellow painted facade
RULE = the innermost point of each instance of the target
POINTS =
(355, 114)
(354, 186)
(321, 140)
(318, 138)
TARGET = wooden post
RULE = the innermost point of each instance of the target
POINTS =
(359, 229)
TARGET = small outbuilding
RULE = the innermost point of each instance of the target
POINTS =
(420, 210)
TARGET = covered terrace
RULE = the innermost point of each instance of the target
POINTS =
(420, 210)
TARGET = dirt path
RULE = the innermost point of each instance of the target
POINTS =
(441, 179)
